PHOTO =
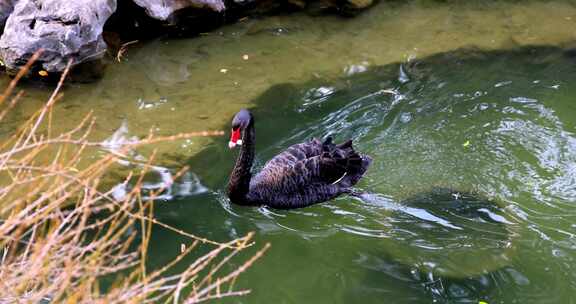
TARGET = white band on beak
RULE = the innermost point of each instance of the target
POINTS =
(232, 144)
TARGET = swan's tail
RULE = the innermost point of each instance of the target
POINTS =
(355, 164)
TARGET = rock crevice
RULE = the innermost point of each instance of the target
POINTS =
(73, 30)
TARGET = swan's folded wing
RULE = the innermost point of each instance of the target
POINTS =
(296, 153)
(303, 174)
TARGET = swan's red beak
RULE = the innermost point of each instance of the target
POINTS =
(235, 138)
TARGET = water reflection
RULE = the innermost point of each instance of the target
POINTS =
(470, 196)
(452, 234)
(159, 182)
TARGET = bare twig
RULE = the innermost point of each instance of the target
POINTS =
(61, 231)
(123, 50)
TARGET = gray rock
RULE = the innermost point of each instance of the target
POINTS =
(65, 29)
(6, 8)
(162, 9)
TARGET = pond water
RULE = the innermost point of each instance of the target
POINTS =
(467, 109)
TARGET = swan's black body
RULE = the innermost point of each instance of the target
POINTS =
(303, 175)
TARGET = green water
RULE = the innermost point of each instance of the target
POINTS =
(469, 197)
(472, 130)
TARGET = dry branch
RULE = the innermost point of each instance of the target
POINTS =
(61, 232)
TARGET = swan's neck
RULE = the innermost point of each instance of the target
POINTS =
(239, 183)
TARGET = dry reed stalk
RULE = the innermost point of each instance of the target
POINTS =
(61, 234)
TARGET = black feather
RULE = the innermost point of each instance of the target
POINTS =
(302, 175)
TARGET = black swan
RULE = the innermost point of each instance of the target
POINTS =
(303, 175)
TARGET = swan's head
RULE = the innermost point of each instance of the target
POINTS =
(240, 122)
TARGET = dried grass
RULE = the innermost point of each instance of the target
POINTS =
(61, 234)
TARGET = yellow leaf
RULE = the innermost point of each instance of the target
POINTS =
(43, 73)
(466, 144)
